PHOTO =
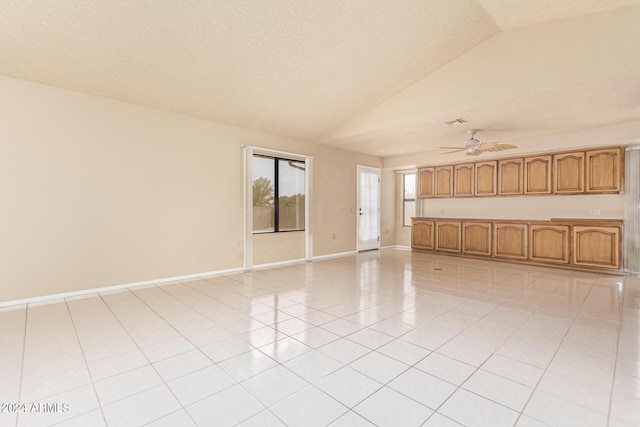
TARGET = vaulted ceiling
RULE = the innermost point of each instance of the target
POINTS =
(374, 76)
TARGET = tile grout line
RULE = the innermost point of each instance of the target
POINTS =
(86, 364)
(546, 369)
(204, 354)
(615, 364)
(145, 356)
(24, 347)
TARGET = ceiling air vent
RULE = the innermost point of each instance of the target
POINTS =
(455, 122)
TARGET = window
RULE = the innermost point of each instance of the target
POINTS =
(408, 198)
(278, 194)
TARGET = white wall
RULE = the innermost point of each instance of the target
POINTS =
(97, 192)
(526, 207)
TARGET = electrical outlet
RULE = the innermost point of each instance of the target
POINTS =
(594, 212)
(442, 211)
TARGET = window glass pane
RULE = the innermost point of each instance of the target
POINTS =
(410, 186)
(290, 195)
(263, 194)
(409, 211)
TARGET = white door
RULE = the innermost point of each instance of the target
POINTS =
(368, 208)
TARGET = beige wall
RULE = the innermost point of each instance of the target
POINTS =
(334, 193)
(277, 247)
(388, 204)
(97, 192)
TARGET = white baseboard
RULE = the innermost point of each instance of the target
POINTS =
(53, 297)
(48, 298)
(401, 247)
(277, 264)
(336, 255)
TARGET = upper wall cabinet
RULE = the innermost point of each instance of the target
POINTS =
(569, 173)
(510, 177)
(486, 173)
(597, 171)
(537, 175)
(463, 179)
(444, 181)
(426, 179)
(605, 170)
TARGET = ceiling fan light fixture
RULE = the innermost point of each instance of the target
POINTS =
(474, 147)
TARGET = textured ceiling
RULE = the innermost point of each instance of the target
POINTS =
(296, 68)
(586, 104)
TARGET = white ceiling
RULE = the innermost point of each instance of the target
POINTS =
(330, 71)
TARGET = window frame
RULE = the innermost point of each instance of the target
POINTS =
(276, 193)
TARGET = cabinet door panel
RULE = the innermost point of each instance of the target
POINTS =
(463, 180)
(422, 234)
(569, 173)
(426, 182)
(605, 170)
(476, 238)
(486, 178)
(537, 175)
(549, 243)
(448, 236)
(510, 176)
(510, 240)
(444, 181)
(596, 246)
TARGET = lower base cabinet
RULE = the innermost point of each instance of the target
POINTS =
(574, 243)
(510, 240)
(596, 246)
(448, 236)
(422, 234)
(549, 243)
(476, 238)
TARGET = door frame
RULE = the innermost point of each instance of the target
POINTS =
(378, 171)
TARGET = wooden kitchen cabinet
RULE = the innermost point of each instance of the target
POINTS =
(570, 243)
(595, 246)
(510, 240)
(476, 238)
(569, 173)
(537, 175)
(486, 173)
(444, 181)
(448, 236)
(426, 179)
(422, 234)
(549, 243)
(463, 180)
(605, 170)
(510, 177)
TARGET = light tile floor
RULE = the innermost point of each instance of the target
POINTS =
(389, 338)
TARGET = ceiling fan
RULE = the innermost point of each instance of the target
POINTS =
(473, 147)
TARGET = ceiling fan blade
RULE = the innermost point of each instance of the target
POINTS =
(501, 147)
(484, 145)
(453, 148)
(454, 151)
